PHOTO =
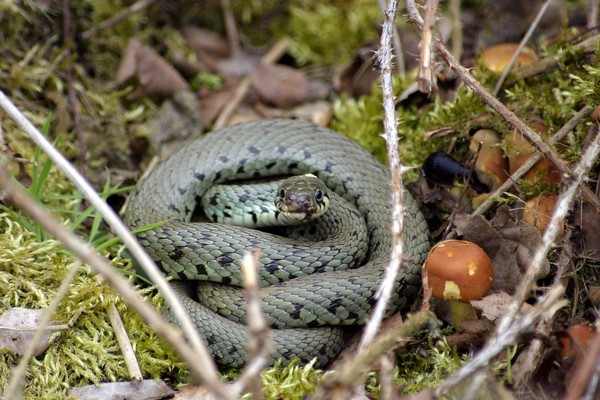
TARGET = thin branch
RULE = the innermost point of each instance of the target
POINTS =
(18, 374)
(531, 161)
(522, 44)
(391, 138)
(592, 21)
(398, 51)
(426, 79)
(136, 7)
(196, 361)
(208, 372)
(133, 367)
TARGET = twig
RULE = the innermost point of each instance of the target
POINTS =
(209, 370)
(426, 79)
(135, 373)
(497, 106)
(197, 362)
(136, 7)
(592, 20)
(531, 161)
(522, 44)
(457, 33)
(72, 96)
(272, 55)
(546, 307)
(398, 51)
(391, 139)
(352, 371)
(233, 36)
(259, 342)
(527, 71)
(18, 374)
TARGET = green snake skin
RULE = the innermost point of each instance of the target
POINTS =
(304, 296)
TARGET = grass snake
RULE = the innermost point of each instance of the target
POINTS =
(306, 297)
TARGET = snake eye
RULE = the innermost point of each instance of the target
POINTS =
(282, 194)
(318, 194)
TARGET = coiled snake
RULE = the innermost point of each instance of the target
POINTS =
(305, 298)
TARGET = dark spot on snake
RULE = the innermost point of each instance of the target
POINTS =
(226, 280)
(313, 324)
(213, 200)
(224, 261)
(199, 177)
(257, 174)
(312, 230)
(244, 198)
(253, 150)
(201, 269)
(240, 169)
(293, 165)
(307, 154)
(264, 209)
(281, 149)
(176, 255)
(210, 340)
(328, 166)
(223, 159)
(173, 208)
(254, 216)
(217, 176)
(335, 304)
(182, 190)
(233, 349)
(298, 307)
(321, 268)
(226, 215)
(272, 267)
(277, 213)
(270, 165)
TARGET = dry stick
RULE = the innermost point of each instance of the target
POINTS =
(233, 36)
(259, 342)
(511, 318)
(522, 44)
(197, 363)
(457, 34)
(18, 373)
(531, 161)
(592, 14)
(398, 52)
(384, 292)
(426, 79)
(72, 96)
(209, 371)
(588, 46)
(497, 106)
(528, 361)
(135, 373)
(240, 92)
(140, 5)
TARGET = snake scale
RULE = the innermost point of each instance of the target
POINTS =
(303, 295)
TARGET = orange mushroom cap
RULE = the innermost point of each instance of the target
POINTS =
(458, 270)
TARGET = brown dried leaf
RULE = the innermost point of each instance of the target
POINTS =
(155, 75)
(149, 389)
(205, 42)
(280, 85)
(18, 326)
(587, 220)
(495, 305)
(510, 245)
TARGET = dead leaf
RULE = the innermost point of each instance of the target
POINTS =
(587, 219)
(155, 75)
(178, 122)
(509, 244)
(205, 42)
(213, 101)
(148, 389)
(495, 305)
(18, 326)
(281, 86)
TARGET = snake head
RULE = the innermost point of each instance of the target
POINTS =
(302, 198)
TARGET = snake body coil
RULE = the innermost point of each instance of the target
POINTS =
(304, 296)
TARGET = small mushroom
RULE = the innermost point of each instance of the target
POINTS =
(538, 211)
(491, 166)
(496, 58)
(458, 271)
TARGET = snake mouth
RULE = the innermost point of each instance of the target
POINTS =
(300, 208)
